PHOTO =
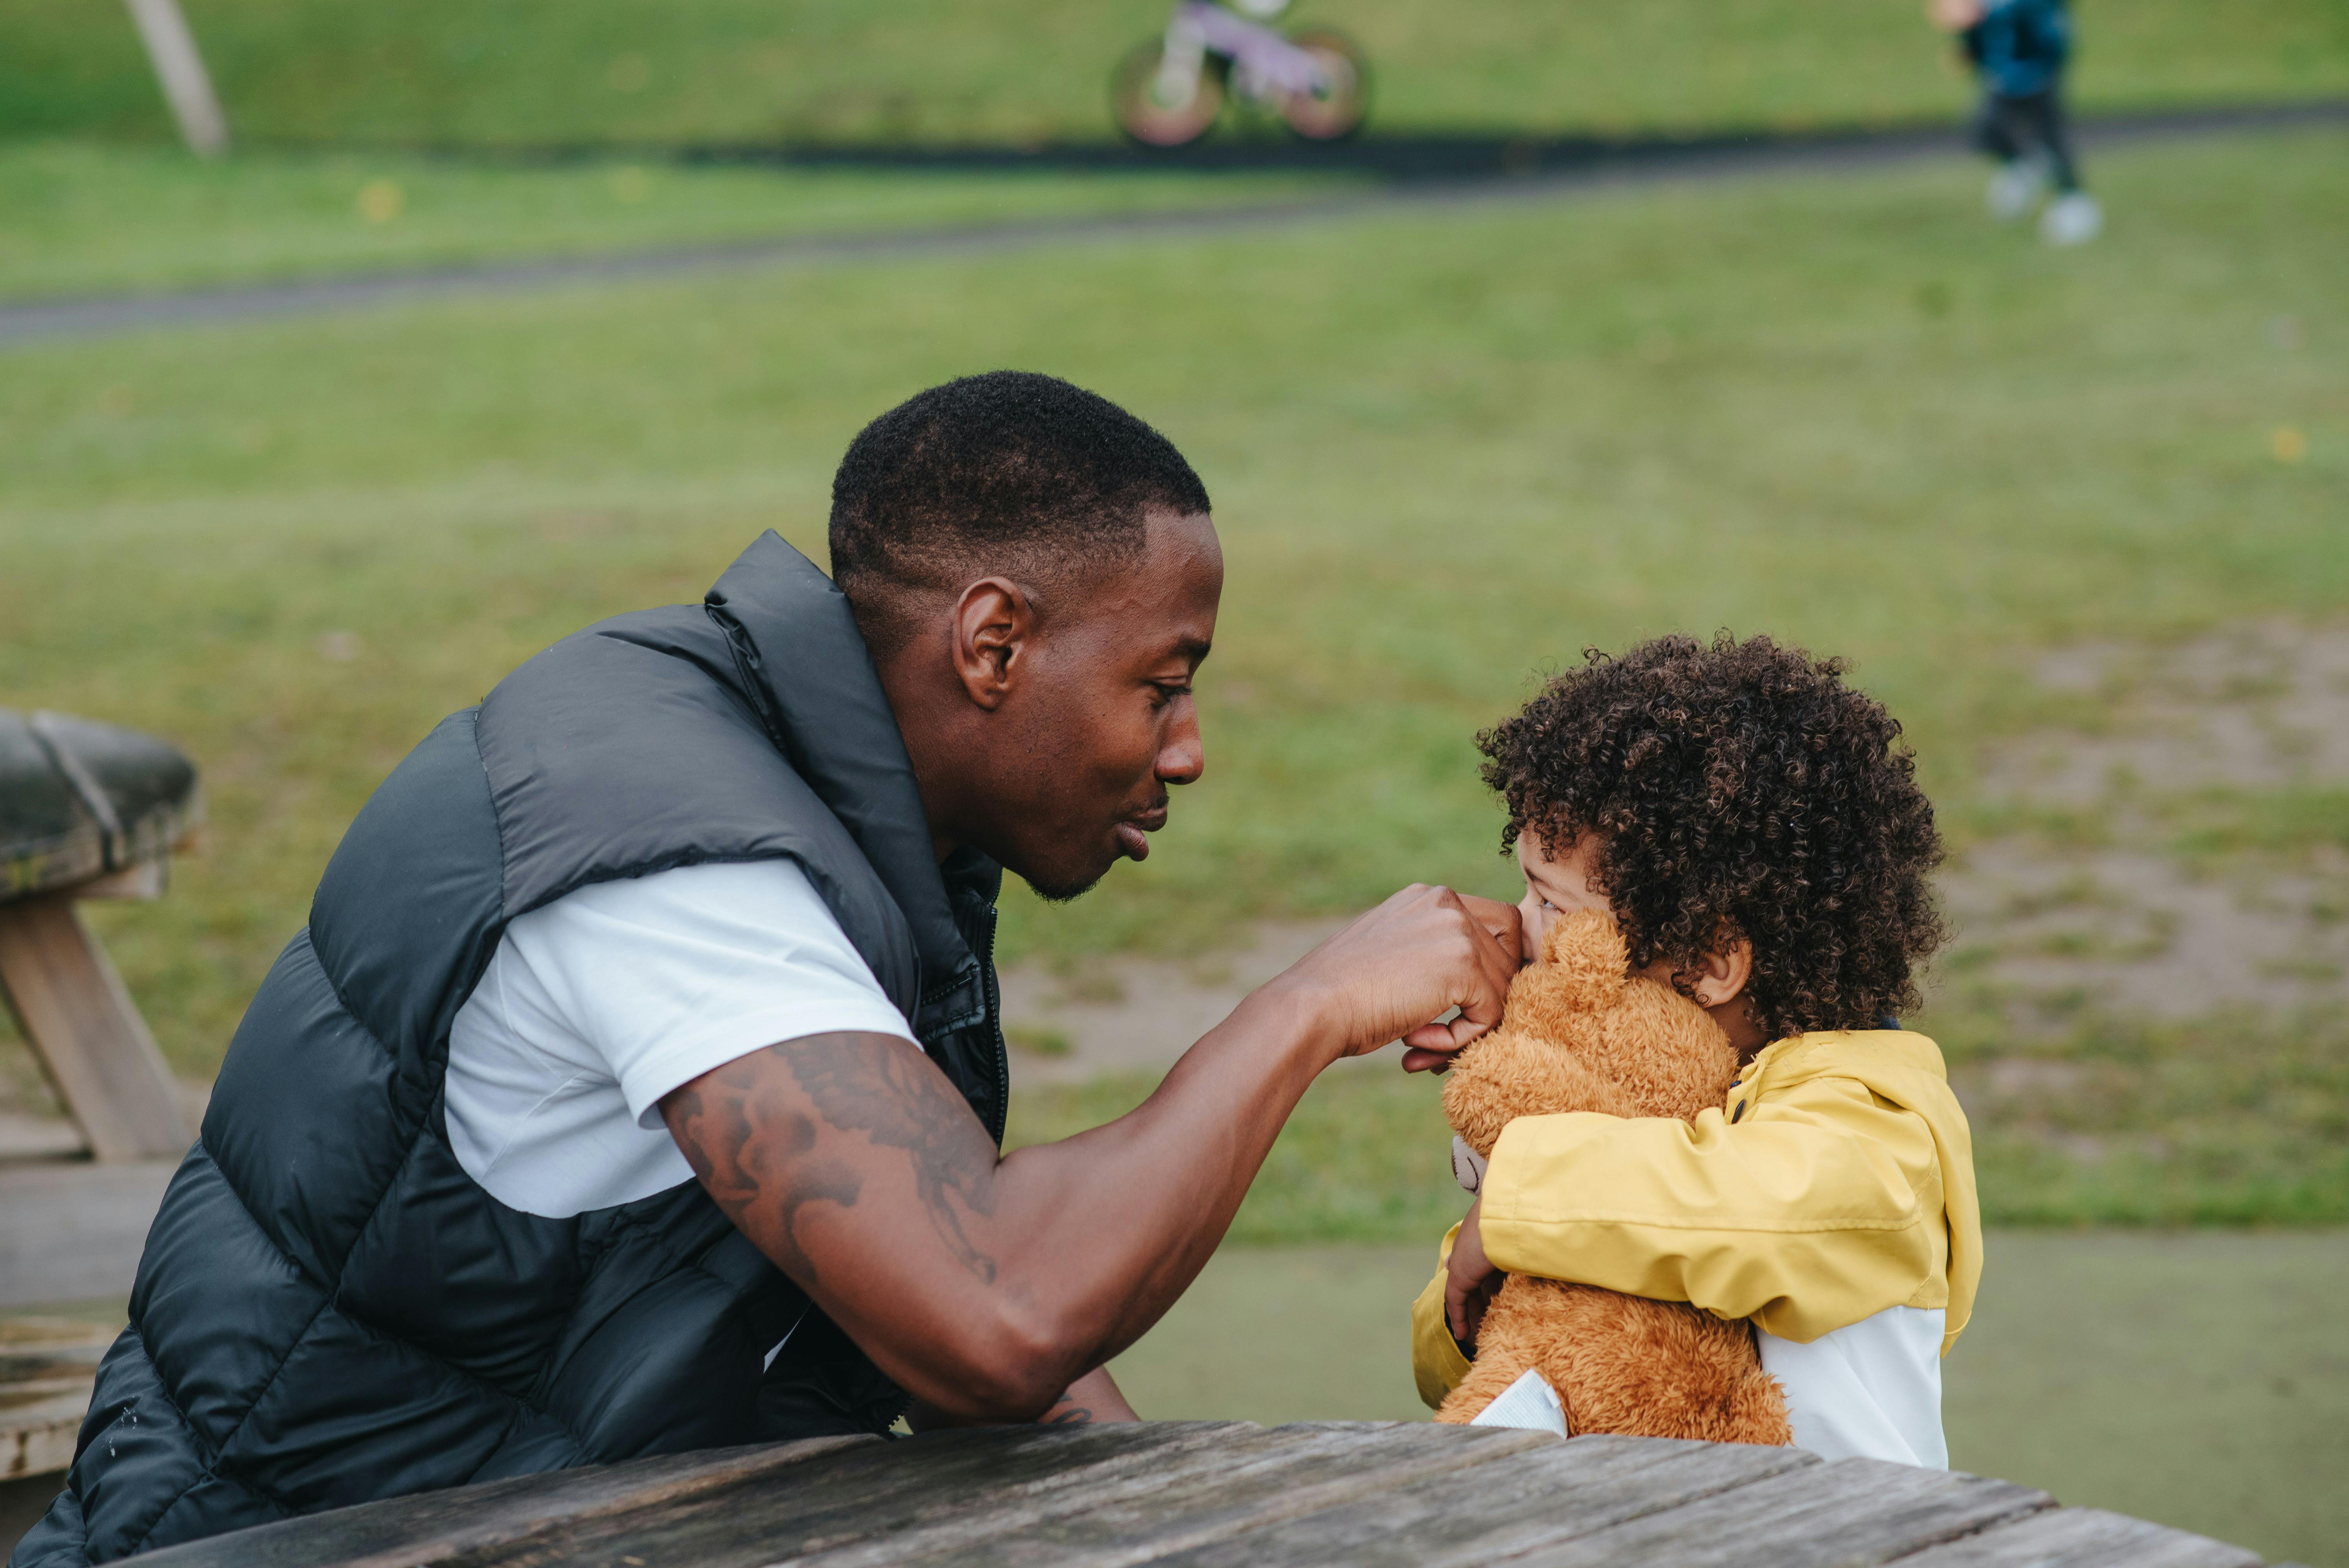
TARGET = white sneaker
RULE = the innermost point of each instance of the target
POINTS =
(2072, 219)
(2015, 188)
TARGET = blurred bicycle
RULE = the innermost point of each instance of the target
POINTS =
(1169, 91)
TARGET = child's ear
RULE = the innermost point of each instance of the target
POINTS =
(1722, 976)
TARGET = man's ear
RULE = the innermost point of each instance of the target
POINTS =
(1722, 976)
(994, 622)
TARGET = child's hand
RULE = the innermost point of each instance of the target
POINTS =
(1470, 1280)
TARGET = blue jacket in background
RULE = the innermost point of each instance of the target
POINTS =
(2020, 45)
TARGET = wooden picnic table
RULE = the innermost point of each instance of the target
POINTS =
(88, 810)
(1217, 1494)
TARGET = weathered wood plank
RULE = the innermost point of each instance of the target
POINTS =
(445, 1526)
(2083, 1538)
(855, 1494)
(33, 1348)
(916, 1496)
(1549, 1494)
(40, 1424)
(1165, 1507)
(82, 1023)
(1220, 1495)
(1850, 1513)
(47, 1366)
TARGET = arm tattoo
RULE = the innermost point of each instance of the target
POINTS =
(901, 1101)
(1065, 1414)
(743, 1150)
(725, 1152)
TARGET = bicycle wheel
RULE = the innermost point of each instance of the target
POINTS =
(1139, 96)
(1336, 111)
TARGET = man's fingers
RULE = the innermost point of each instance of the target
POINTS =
(1499, 920)
(1437, 1038)
(1490, 965)
(1461, 1033)
(1416, 1060)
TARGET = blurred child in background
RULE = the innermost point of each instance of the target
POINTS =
(2019, 50)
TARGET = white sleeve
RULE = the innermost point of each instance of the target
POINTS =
(667, 976)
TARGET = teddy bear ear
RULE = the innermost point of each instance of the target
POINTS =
(1589, 956)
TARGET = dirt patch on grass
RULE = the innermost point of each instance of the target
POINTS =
(2184, 849)
(2143, 1011)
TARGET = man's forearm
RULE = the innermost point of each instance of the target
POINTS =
(1114, 1223)
(986, 1287)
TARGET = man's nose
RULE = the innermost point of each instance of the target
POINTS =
(1183, 757)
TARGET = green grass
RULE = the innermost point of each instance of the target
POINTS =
(571, 72)
(91, 218)
(1449, 446)
(2195, 1380)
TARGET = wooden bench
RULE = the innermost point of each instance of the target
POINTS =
(88, 810)
(1209, 1494)
(47, 1366)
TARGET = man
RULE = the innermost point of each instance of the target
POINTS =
(637, 1082)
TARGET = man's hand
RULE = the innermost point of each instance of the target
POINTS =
(1470, 1280)
(1092, 1400)
(1501, 920)
(1406, 964)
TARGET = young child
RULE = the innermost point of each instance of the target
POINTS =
(1755, 829)
(2019, 50)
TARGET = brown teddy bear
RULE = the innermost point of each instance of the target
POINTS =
(1579, 1034)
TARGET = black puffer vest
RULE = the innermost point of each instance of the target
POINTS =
(329, 1309)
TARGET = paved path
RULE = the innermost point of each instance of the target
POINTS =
(1552, 169)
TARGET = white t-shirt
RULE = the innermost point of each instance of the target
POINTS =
(1871, 1389)
(596, 1005)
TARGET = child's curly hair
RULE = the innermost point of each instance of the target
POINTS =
(1737, 791)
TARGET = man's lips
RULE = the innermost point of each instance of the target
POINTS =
(1129, 834)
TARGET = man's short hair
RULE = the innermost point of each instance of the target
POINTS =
(1009, 472)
